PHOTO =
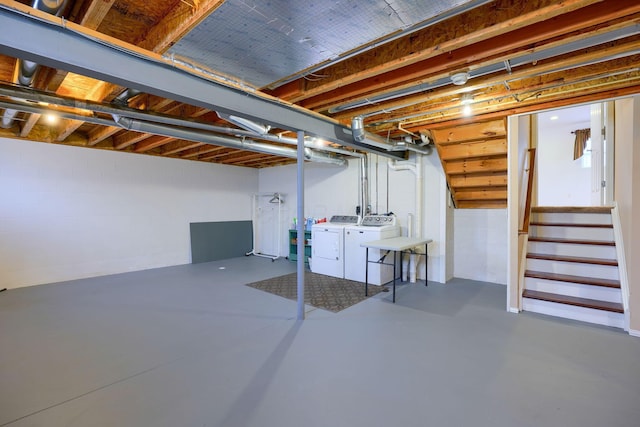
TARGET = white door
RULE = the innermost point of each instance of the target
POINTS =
(596, 154)
(607, 150)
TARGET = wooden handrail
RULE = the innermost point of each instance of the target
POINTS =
(527, 205)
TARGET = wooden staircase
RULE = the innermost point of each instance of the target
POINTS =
(571, 266)
(474, 159)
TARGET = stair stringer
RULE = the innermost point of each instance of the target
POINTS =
(622, 264)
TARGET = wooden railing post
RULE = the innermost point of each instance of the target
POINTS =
(527, 204)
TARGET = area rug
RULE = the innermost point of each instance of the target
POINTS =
(320, 291)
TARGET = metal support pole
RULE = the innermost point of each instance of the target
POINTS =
(301, 225)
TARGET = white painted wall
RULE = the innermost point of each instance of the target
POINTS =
(627, 195)
(562, 181)
(68, 212)
(331, 190)
(480, 241)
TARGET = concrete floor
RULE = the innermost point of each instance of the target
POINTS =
(191, 346)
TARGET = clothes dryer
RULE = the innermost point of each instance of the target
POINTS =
(372, 227)
(327, 245)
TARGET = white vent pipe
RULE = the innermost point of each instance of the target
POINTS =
(416, 168)
(364, 186)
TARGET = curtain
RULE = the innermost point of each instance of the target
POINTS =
(582, 135)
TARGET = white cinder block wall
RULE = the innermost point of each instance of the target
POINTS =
(68, 212)
(480, 241)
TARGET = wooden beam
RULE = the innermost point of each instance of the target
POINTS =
(127, 139)
(195, 152)
(483, 148)
(468, 166)
(498, 193)
(178, 22)
(28, 124)
(499, 101)
(152, 142)
(481, 23)
(470, 132)
(570, 63)
(469, 181)
(482, 204)
(509, 46)
(179, 146)
(100, 133)
(95, 13)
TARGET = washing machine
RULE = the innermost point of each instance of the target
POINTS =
(327, 245)
(372, 227)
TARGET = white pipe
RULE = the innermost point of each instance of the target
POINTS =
(416, 168)
(405, 256)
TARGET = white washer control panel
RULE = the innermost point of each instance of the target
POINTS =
(378, 220)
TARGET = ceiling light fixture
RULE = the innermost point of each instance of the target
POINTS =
(466, 99)
(460, 79)
(51, 118)
(466, 110)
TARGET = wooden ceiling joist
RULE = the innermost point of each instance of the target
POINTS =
(531, 55)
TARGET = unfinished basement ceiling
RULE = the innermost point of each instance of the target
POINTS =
(318, 67)
(265, 43)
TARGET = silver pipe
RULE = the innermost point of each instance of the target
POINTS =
(27, 69)
(123, 111)
(27, 107)
(209, 138)
(360, 135)
(357, 129)
(53, 7)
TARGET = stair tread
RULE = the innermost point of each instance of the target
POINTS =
(594, 281)
(575, 301)
(584, 260)
(572, 241)
(570, 224)
(573, 209)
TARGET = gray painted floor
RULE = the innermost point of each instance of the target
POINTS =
(191, 346)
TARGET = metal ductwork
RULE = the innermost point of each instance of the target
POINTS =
(27, 69)
(125, 96)
(31, 100)
(361, 136)
(247, 124)
(357, 129)
(209, 138)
